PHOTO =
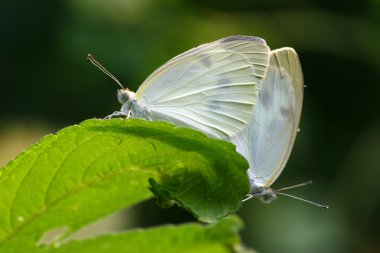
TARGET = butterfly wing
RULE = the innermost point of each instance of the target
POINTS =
(268, 139)
(212, 88)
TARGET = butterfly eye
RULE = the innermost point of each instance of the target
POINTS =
(122, 96)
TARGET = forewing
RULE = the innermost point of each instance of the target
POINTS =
(212, 88)
(269, 137)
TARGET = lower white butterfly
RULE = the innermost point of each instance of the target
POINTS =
(212, 88)
(268, 138)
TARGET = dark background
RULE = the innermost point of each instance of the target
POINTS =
(46, 84)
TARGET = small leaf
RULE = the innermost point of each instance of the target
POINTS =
(89, 170)
(185, 238)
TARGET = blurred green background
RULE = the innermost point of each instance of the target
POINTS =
(47, 84)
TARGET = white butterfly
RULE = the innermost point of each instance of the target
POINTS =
(268, 138)
(212, 88)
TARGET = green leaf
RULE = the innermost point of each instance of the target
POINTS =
(89, 170)
(190, 237)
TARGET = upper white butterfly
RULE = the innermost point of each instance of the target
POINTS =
(212, 88)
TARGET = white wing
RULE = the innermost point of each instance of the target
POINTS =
(268, 139)
(212, 88)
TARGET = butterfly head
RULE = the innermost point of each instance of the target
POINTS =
(266, 194)
(126, 96)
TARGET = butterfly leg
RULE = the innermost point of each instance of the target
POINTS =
(249, 196)
(129, 114)
(117, 114)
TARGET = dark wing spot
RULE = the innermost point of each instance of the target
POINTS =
(265, 100)
(285, 111)
(206, 62)
(214, 105)
(223, 81)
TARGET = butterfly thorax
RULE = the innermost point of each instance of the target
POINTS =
(130, 105)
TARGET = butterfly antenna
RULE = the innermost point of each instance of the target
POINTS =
(295, 186)
(91, 59)
(279, 191)
(304, 200)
